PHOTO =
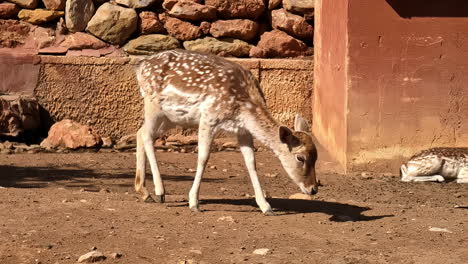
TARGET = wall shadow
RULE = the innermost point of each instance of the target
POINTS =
(430, 8)
(338, 212)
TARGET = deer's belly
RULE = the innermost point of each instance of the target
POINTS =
(182, 115)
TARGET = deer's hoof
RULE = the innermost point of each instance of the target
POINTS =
(269, 213)
(160, 198)
(195, 209)
(149, 199)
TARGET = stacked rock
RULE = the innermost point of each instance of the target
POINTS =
(241, 28)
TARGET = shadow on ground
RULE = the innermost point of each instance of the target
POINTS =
(75, 176)
(339, 212)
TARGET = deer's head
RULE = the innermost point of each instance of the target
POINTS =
(301, 154)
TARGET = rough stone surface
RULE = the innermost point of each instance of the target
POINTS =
(81, 40)
(272, 4)
(221, 47)
(113, 23)
(279, 44)
(8, 10)
(189, 10)
(14, 33)
(78, 13)
(137, 3)
(149, 44)
(182, 30)
(294, 25)
(91, 257)
(54, 4)
(235, 28)
(149, 23)
(31, 4)
(18, 115)
(303, 7)
(250, 9)
(72, 135)
(39, 16)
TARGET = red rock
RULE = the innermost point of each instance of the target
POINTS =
(31, 4)
(279, 44)
(235, 28)
(303, 7)
(8, 10)
(53, 50)
(149, 23)
(205, 27)
(189, 10)
(250, 9)
(70, 134)
(294, 25)
(13, 33)
(182, 30)
(80, 40)
(168, 4)
(54, 4)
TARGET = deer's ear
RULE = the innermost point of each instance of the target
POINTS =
(300, 124)
(286, 136)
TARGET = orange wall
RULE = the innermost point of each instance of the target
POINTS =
(329, 101)
(408, 76)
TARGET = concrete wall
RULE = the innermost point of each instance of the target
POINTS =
(406, 79)
(103, 92)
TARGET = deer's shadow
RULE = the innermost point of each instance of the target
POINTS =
(339, 212)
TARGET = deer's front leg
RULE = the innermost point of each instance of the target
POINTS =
(247, 148)
(205, 138)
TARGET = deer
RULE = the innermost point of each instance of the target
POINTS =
(212, 94)
(437, 165)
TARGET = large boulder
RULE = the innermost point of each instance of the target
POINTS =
(279, 44)
(18, 115)
(31, 4)
(39, 16)
(303, 7)
(189, 10)
(221, 47)
(294, 25)
(78, 13)
(150, 44)
(113, 23)
(137, 3)
(72, 135)
(81, 40)
(182, 30)
(149, 23)
(235, 28)
(227, 9)
(8, 10)
(54, 4)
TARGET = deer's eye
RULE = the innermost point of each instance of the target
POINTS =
(301, 158)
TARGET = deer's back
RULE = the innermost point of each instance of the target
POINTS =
(182, 73)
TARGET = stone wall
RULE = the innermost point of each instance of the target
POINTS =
(103, 92)
(241, 28)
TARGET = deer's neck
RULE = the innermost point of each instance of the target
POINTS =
(264, 128)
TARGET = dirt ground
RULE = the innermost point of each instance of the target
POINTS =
(57, 207)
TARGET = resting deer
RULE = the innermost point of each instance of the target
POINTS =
(437, 164)
(192, 89)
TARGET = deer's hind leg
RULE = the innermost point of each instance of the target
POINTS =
(154, 125)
